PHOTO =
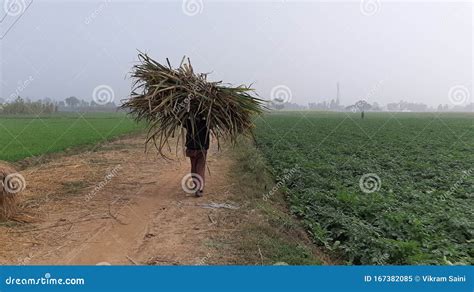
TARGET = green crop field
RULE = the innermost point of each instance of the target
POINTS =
(25, 136)
(389, 189)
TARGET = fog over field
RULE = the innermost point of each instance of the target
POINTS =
(357, 149)
(377, 50)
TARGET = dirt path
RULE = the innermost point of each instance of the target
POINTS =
(115, 206)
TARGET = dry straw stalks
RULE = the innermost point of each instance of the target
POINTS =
(165, 97)
(11, 185)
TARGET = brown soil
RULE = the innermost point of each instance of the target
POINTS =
(115, 206)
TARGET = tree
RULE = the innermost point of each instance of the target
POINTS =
(362, 106)
(47, 100)
(375, 106)
(351, 108)
(72, 101)
(83, 103)
(394, 106)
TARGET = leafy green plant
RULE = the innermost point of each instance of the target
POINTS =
(422, 212)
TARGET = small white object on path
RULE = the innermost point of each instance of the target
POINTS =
(213, 205)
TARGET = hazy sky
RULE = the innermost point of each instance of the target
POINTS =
(382, 51)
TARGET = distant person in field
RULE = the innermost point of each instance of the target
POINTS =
(197, 144)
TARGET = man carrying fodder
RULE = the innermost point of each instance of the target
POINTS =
(11, 184)
(173, 100)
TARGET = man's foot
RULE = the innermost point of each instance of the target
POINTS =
(199, 194)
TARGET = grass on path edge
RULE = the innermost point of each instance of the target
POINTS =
(265, 231)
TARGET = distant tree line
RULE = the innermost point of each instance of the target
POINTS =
(362, 105)
(332, 105)
(74, 104)
(27, 107)
(48, 106)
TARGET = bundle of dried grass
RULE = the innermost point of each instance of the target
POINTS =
(165, 97)
(11, 184)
